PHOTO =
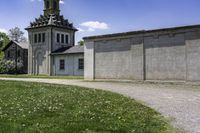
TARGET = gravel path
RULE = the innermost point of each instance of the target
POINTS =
(181, 103)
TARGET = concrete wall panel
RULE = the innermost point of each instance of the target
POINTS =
(118, 59)
(89, 61)
(156, 55)
(165, 57)
(193, 56)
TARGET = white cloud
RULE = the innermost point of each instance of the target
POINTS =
(3, 30)
(95, 25)
(80, 30)
(62, 2)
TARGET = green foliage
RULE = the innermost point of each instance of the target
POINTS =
(81, 43)
(3, 43)
(41, 76)
(9, 67)
(43, 108)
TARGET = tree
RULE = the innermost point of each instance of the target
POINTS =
(4, 40)
(17, 35)
(81, 43)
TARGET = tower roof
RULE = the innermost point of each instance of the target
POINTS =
(51, 17)
(51, 20)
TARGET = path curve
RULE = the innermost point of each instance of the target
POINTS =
(181, 103)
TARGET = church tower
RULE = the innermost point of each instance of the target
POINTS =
(48, 33)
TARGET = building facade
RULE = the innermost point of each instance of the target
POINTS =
(47, 34)
(17, 52)
(69, 61)
(163, 54)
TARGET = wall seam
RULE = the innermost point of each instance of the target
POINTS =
(144, 59)
(94, 61)
(186, 59)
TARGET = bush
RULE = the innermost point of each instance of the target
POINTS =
(9, 67)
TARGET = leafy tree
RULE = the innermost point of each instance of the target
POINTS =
(81, 43)
(17, 35)
(9, 67)
(4, 40)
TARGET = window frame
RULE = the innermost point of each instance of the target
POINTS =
(35, 38)
(81, 64)
(39, 38)
(62, 38)
(62, 64)
(43, 37)
(58, 37)
(66, 39)
(48, 5)
(54, 5)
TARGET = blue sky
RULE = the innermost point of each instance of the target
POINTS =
(95, 17)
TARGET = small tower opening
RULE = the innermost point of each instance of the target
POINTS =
(54, 5)
(47, 5)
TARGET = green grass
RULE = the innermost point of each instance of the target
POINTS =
(41, 76)
(45, 108)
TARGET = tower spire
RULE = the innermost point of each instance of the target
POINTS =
(51, 7)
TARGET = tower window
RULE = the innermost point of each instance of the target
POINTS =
(35, 38)
(62, 64)
(54, 5)
(58, 38)
(62, 38)
(66, 39)
(39, 38)
(43, 37)
(47, 5)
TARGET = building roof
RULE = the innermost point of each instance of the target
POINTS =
(141, 32)
(51, 20)
(23, 45)
(77, 49)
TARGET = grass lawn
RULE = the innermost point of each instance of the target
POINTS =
(45, 108)
(41, 76)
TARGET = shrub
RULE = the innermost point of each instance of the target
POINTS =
(9, 67)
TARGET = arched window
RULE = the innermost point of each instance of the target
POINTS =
(47, 5)
(54, 5)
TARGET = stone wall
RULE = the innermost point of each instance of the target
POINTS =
(165, 54)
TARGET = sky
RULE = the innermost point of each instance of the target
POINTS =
(97, 17)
